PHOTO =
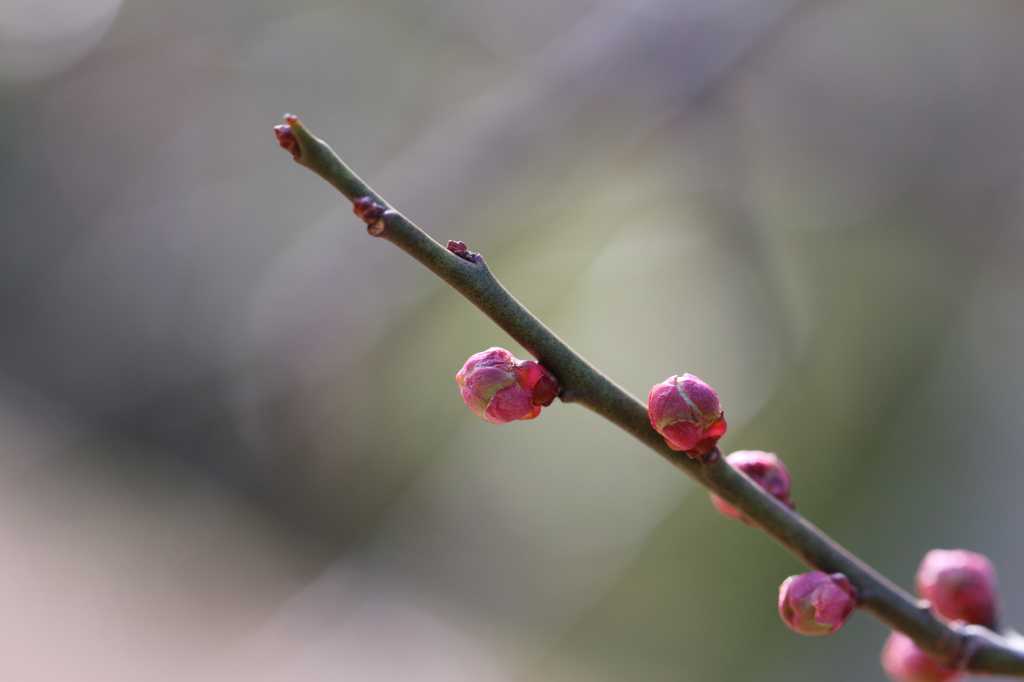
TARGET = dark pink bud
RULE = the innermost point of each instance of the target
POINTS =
(686, 412)
(816, 603)
(767, 470)
(904, 662)
(961, 585)
(499, 388)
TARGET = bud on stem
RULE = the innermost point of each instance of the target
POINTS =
(499, 388)
(960, 585)
(816, 603)
(687, 413)
(904, 662)
(767, 470)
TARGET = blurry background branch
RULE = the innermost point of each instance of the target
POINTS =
(198, 417)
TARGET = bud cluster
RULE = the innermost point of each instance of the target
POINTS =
(959, 586)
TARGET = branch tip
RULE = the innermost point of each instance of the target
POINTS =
(286, 138)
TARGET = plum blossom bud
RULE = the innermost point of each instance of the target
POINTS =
(904, 662)
(767, 470)
(499, 388)
(816, 603)
(961, 585)
(686, 412)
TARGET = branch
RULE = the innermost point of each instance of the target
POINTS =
(971, 648)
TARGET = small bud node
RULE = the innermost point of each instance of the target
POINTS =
(460, 250)
(371, 213)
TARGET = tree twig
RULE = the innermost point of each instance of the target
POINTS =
(972, 648)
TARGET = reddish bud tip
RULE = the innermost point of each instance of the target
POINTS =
(767, 470)
(499, 388)
(686, 412)
(286, 138)
(291, 118)
(904, 662)
(960, 585)
(371, 213)
(460, 250)
(816, 603)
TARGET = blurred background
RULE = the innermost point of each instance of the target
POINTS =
(231, 443)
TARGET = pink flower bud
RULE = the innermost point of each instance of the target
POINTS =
(816, 603)
(686, 412)
(904, 662)
(961, 585)
(499, 388)
(767, 470)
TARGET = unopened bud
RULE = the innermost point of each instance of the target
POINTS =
(499, 388)
(687, 413)
(961, 585)
(767, 470)
(816, 603)
(904, 662)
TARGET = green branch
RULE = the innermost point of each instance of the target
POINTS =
(972, 648)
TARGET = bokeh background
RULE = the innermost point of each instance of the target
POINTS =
(231, 445)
